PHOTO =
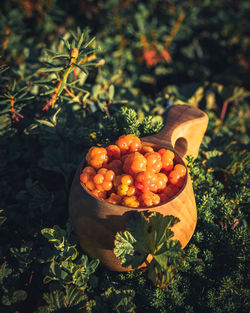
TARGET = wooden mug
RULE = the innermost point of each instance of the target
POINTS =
(96, 221)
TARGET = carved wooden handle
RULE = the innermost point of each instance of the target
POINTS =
(184, 129)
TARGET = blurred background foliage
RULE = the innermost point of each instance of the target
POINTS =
(134, 59)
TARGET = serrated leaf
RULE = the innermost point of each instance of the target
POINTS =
(160, 229)
(169, 254)
(144, 237)
(125, 249)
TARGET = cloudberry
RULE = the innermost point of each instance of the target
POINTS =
(134, 163)
(153, 161)
(113, 152)
(128, 143)
(97, 157)
(180, 169)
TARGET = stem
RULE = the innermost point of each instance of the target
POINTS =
(72, 95)
(14, 115)
(224, 110)
(73, 59)
(174, 30)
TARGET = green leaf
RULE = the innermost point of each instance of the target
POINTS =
(59, 55)
(47, 123)
(55, 269)
(111, 92)
(51, 69)
(48, 233)
(151, 236)
(169, 254)
(47, 279)
(81, 68)
(89, 42)
(160, 276)
(125, 250)
(55, 116)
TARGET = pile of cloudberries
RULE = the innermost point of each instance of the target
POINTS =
(132, 174)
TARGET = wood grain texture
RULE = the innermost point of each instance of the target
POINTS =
(184, 129)
(96, 221)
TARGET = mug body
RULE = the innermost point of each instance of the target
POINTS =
(96, 221)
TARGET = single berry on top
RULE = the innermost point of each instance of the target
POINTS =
(132, 174)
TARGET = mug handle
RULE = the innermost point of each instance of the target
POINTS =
(184, 129)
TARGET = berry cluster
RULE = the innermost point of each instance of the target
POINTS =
(132, 174)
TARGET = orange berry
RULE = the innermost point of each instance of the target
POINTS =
(98, 179)
(149, 198)
(181, 169)
(127, 180)
(168, 154)
(84, 177)
(107, 185)
(167, 157)
(146, 149)
(114, 198)
(99, 187)
(153, 161)
(128, 143)
(131, 191)
(167, 166)
(145, 180)
(97, 157)
(174, 177)
(102, 171)
(89, 170)
(134, 163)
(109, 176)
(131, 201)
(122, 190)
(90, 185)
(161, 182)
(99, 194)
(113, 152)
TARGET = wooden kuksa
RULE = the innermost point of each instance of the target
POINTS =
(97, 221)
